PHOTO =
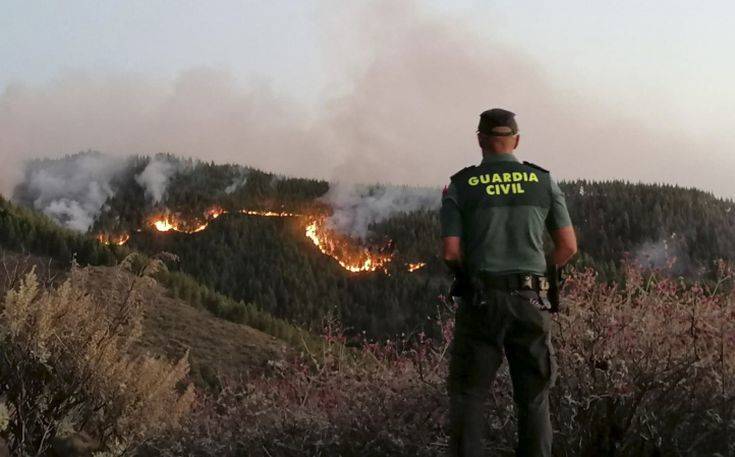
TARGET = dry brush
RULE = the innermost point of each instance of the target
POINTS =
(646, 368)
(66, 367)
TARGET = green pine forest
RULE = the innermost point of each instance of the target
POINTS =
(264, 272)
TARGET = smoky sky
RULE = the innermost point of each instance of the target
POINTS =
(402, 108)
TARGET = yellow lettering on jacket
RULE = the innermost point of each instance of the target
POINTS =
(504, 183)
(497, 178)
(504, 189)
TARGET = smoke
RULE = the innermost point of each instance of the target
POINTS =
(411, 111)
(356, 207)
(72, 191)
(236, 184)
(669, 255)
(402, 108)
(656, 254)
(204, 113)
(155, 177)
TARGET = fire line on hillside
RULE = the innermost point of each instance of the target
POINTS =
(348, 254)
(351, 257)
(113, 239)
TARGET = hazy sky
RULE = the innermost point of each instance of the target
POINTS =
(624, 89)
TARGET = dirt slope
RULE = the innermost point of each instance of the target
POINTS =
(171, 326)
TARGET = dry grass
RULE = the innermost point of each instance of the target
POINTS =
(645, 369)
(217, 348)
(66, 366)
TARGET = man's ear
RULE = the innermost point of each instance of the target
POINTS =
(481, 140)
(518, 140)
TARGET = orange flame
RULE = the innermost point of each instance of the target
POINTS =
(352, 258)
(168, 223)
(214, 212)
(251, 212)
(164, 224)
(415, 266)
(117, 240)
(349, 255)
(199, 228)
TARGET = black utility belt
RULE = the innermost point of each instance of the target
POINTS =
(514, 281)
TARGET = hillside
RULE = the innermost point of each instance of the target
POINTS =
(646, 362)
(217, 348)
(31, 240)
(171, 327)
(302, 249)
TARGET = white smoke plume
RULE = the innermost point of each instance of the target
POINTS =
(155, 177)
(403, 107)
(658, 255)
(357, 206)
(236, 184)
(71, 192)
(668, 254)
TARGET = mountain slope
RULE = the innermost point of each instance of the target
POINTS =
(171, 327)
(224, 223)
(31, 240)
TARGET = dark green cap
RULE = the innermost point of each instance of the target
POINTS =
(498, 122)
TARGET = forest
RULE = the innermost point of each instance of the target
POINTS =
(269, 263)
(333, 352)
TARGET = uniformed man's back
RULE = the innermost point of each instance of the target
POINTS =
(494, 216)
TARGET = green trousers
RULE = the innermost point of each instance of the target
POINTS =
(510, 323)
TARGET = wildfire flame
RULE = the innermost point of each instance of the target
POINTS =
(198, 229)
(350, 255)
(110, 239)
(168, 222)
(164, 225)
(352, 258)
(251, 212)
(214, 212)
(415, 266)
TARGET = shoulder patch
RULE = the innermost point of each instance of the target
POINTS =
(462, 171)
(535, 166)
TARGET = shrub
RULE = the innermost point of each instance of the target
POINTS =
(645, 368)
(66, 367)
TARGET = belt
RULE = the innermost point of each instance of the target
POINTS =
(514, 281)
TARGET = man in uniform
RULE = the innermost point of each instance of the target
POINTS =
(493, 219)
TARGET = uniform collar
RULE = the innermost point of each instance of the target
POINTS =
(494, 158)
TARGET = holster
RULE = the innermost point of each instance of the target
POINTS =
(469, 289)
(556, 279)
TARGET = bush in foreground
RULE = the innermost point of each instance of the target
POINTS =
(66, 367)
(646, 368)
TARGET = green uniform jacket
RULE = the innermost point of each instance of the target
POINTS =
(501, 209)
